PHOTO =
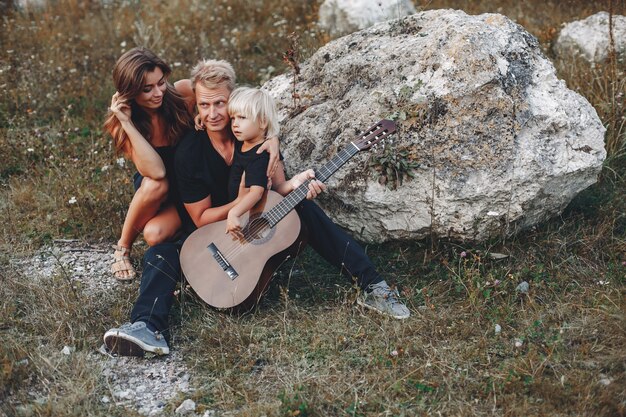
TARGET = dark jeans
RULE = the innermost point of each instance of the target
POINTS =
(161, 265)
(337, 247)
(161, 272)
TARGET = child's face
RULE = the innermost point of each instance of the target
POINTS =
(246, 129)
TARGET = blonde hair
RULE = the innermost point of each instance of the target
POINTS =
(129, 76)
(257, 105)
(211, 73)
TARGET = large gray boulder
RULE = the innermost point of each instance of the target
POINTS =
(589, 38)
(339, 17)
(497, 142)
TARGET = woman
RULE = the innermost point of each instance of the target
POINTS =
(146, 119)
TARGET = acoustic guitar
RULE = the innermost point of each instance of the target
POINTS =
(229, 272)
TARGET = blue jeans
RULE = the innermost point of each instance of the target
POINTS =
(160, 275)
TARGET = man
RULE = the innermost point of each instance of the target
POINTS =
(203, 161)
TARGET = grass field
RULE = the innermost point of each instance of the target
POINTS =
(308, 350)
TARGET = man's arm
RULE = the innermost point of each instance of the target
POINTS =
(271, 146)
(202, 213)
(283, 186)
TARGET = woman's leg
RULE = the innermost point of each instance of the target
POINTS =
(143, 207)
(162, 227)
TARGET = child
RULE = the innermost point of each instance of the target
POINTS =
(253, 118)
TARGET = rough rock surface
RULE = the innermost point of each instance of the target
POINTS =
(339, 17)
(589, 38)
(496, 141)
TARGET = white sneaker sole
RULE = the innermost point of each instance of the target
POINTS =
(127, 345)
(384, 312)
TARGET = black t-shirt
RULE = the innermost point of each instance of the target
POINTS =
(255, 167)
(200, 171)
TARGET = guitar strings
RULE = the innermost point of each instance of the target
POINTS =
(238, 245)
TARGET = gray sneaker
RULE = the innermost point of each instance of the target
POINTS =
(135, 339)
(383, 299)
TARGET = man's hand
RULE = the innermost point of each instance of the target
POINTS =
(315, 187)
(271, 146)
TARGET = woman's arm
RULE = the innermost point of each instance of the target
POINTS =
(137, 148)
(185, 89)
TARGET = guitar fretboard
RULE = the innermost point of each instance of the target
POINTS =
(296, 196)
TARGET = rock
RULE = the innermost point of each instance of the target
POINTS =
(604, 380)
(123, 394)
(523, 287)
(484, 127)
(589, 38)
(67, 350)
(498, 329)
(339, 17)
(518, 343)
(186, 406)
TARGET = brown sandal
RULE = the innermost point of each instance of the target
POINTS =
(121, 263)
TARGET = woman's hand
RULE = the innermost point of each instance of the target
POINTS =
(197, 121)
(271, 146)
(120, 108)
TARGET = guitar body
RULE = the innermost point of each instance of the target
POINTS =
(227, 272)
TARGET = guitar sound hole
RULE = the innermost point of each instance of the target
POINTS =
(258, 230)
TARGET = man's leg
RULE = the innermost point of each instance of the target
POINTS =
(150, 314)
(161, 273)
(336, 246)
(341, 250)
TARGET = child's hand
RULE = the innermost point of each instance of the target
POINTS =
(198, 122)
(233, 226)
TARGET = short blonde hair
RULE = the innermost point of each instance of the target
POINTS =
(211, 73)
(256, 104)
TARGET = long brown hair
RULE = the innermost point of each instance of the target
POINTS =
(129, 77)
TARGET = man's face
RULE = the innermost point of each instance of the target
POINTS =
(213, 107)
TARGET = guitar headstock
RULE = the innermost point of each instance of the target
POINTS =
(375, 134)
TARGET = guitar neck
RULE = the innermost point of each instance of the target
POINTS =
(322, 174)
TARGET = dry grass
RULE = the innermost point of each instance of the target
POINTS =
(307, 350)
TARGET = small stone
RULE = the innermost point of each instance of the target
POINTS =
(186, 407)
(67, 350)
(105, 399)
(523, 287)
(605, 380)
(498, 329)
(519, 343)
(122, 395)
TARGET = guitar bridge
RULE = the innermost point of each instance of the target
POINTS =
(223, 263)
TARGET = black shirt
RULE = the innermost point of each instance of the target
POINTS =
(255, 167)
(200, 172)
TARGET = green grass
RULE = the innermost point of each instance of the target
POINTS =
(307, 350)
